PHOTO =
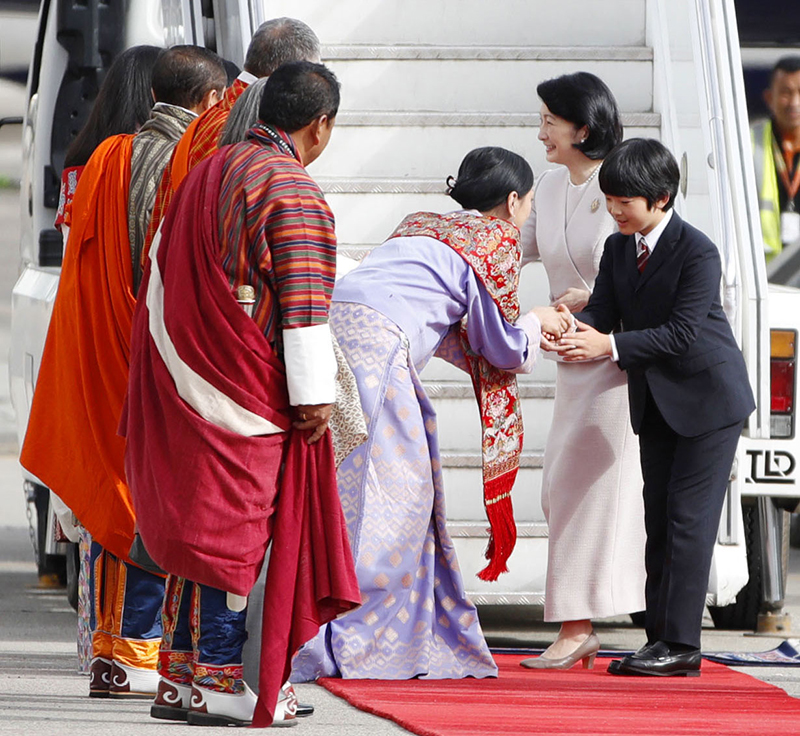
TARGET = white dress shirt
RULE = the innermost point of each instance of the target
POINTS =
(651, 239)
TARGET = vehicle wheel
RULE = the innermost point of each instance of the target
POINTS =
(742, 614)
(794, 534)
(57, 564)
(49, 566)
(73, 567)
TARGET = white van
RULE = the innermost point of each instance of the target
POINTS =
(423, 82)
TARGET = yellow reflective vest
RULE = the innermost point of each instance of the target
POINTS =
(767, 183)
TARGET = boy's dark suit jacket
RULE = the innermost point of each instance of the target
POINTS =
(675, 337)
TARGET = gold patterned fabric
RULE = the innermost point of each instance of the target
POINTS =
(415, 619)
(348, 426)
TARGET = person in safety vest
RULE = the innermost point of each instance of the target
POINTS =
(776, 150)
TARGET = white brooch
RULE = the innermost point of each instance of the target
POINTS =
(595, 205)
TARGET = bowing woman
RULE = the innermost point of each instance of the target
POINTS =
(439, 282)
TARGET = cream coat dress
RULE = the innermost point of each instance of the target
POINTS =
(592, 481)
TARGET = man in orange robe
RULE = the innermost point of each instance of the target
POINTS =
(277, 41)
(72, 444)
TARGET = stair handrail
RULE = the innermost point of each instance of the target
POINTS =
(732, 186)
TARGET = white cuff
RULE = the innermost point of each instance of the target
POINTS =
(532, 327)
(246, 77)
(310, 365)
(614, 353)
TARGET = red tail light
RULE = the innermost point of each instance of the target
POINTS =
(783, 354)
(782, 386)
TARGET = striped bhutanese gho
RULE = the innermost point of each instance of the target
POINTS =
(277, 233)
(212, 457)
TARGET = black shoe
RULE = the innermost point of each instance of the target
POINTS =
(304, 709)
(659, 661)
(643, 650)
(613, 667)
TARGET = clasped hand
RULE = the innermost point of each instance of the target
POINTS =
(584, 344)
(313, 416)
(555, 321)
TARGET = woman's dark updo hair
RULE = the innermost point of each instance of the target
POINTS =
(584, 99)
(487, 176)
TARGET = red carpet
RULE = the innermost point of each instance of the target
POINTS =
(578, 701)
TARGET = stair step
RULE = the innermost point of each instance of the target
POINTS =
(463, 488)
(464, 22)
(473, 459)
(477, 85)
(464, 390)
(425, 154)
(543, 375)
(459, 423)
(372, 52)
(369, 185)
(487, 119)
(480, 529)
(356, 252)
(524, 582)
(371, 218)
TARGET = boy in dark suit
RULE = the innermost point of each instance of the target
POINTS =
(659, 281)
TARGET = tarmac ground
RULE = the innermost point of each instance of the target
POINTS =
(42, 694)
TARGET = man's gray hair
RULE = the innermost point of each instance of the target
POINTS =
(244, 114)
(279, 41)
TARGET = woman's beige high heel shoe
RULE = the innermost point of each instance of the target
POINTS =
(586, 651)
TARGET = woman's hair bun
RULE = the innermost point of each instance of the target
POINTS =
(487, 176)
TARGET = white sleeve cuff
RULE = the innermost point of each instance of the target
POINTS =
(532, 327)
(614, 353)
(310, 365)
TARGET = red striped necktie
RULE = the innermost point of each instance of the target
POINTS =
(642, 254)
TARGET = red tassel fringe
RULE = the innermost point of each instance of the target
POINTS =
(502, 528)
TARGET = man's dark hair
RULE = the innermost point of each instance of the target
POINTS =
(584, 99)
(231, 70)
(184, 75)
(123, 103)
(787, 65)
(487, 176)
(641, 167)
(277, 42)
(297, 93)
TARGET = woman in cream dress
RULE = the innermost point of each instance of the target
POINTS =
(592, 483)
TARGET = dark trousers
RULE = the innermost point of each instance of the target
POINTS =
(203, 639)
(685, 479)
(125, 618)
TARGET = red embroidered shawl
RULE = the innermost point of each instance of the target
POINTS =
(491, 247)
